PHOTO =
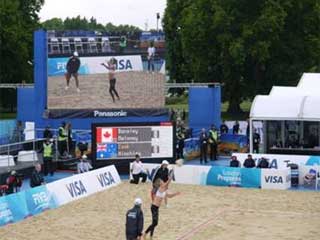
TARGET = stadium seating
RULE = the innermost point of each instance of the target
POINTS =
(6, 161)
(27, 156)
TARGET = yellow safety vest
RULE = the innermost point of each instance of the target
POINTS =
(214, 135)
(63, 136)
(47, 150)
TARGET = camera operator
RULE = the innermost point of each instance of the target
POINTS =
(14, 182)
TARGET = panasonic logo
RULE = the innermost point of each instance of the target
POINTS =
(110, 114)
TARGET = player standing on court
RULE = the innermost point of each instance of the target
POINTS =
(112, 79)
(73, 66)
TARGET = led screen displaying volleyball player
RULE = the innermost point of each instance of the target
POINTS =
(107, 82)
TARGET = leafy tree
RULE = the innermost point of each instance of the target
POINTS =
(18, 20)
(53, 24)
(248, 45)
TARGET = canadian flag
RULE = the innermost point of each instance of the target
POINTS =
(107, 135)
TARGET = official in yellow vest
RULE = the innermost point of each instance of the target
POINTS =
(213, 142)
(47, 157)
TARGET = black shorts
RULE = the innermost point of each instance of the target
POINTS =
(112, 82)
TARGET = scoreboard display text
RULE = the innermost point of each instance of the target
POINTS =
(124, 142)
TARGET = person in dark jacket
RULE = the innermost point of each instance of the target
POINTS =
(134, 221)
(263, 163)
(47, 133)
(162, 172)
(14, 182)
(203, 145)
(224, 128)
(36, 177)
(236, 127)
(256, 141)
(234, 162)
(73, 66)
(249, 162)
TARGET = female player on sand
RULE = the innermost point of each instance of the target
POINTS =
(112, 79)
(160, 194)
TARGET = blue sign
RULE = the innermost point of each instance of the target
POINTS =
(58, 67)
(18, 206)
(239, 177)
(38, 200)
(5, 212)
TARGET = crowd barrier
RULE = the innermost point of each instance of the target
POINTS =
(18, 206)
(226, 176)
(279, 161)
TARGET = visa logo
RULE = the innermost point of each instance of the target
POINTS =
(76, 188)
(273, 179)
(105, 179)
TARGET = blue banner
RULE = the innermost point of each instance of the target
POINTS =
(5, 212)
(239, 177)
(38, 200)
(58, 67)
(18, 206)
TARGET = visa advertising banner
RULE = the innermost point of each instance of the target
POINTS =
(92, 65)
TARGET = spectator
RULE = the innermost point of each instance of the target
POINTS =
(224, 128)
(236, 127)
(62, 139)
(83, 146)
(14, 182)
(84, 165)
(36, 177)
(134, 221)
(249, 162)
(180, 145)
(73, 66)
(234, 162)
(69, 139)
(138, 171)
(263, 163)
(47, 133)
(213, 142)
(47, 157)
(256, 141)
(203, 145)
(151, 55)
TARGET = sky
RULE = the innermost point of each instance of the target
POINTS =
(132, 12)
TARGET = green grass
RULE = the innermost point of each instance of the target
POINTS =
(182, 103)
(8, 115)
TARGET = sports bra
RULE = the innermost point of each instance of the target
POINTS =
(160, 194)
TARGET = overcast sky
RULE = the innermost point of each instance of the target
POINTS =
(133, 12)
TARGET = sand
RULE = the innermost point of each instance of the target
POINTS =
(201, 212)
(136, 90)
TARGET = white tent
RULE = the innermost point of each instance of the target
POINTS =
(299, 103)
(309, 81)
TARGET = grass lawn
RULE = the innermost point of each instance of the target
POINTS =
(182, 103)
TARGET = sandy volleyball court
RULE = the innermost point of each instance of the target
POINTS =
(201, 212)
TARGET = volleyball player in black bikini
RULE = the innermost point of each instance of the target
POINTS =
(160, 194)
(112, 79)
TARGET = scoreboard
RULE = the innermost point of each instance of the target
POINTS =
(124, 141)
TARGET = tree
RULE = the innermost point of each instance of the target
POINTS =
(248, 45)
(18, 20)
(53, 24)
(176, 61)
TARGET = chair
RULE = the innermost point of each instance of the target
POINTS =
(78, 45)
(92, 45)
(54, 46)
(65, 45)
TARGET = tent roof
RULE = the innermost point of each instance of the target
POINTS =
(290, 103)
(309, 81)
